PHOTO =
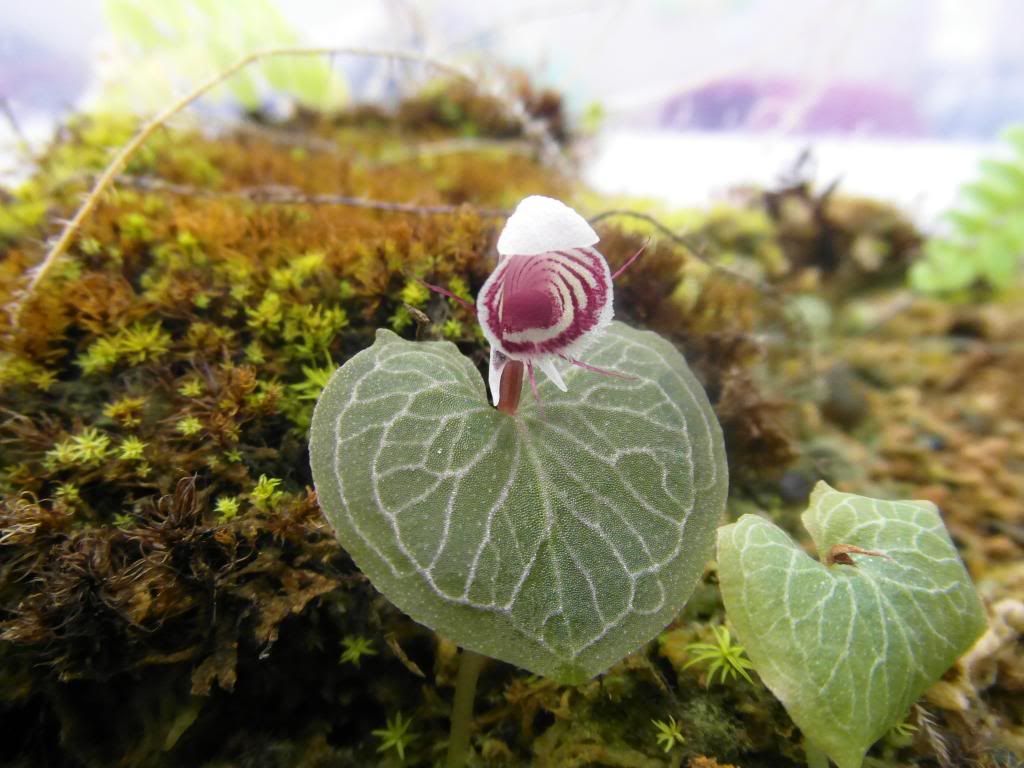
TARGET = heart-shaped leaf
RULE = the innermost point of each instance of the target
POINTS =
(848, 648)
(557, 540)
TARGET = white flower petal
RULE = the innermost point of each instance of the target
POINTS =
(541, 224)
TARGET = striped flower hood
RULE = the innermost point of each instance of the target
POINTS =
(550, 295)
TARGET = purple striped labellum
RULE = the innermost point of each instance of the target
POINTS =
(550, 295)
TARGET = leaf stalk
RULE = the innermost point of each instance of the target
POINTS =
(470, 664)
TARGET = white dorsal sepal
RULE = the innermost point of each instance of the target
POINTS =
(542, 224)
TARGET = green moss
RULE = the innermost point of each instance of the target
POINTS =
(227, 508)
(668, 735)
(721, 656)
(265, 495)
(135, 345)
(191, 388)
(131, 449)
(356, 647)
(189, 426)
(395, 735)
(415, 294)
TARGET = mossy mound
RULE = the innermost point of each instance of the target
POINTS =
(169, 592)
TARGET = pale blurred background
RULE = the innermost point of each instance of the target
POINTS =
(897, 99)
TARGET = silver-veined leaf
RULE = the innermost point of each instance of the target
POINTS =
(558, 540)
(849, 648)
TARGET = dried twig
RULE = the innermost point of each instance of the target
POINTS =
(653, 221)
(793, 323)
(290, 195)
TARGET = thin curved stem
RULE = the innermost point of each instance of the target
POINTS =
(288, 196)
(470, 664)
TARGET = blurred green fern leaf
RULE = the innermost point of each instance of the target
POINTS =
(984, 244)
(182, 42)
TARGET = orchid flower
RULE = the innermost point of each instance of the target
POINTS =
(547, 300)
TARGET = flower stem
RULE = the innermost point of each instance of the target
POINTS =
(470, 664)
(510, 389)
